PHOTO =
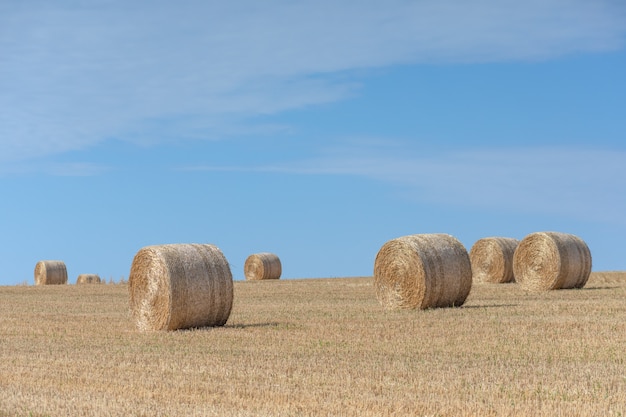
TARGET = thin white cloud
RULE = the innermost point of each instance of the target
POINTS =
(73, 74)
(578, 183)
(58, 169)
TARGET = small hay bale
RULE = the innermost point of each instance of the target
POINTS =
(180, 286)
(261, 266)
(50, 273)
(422, 271)
(492, 259)
(551, 260)
(88, 279)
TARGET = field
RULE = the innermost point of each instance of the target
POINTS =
(318, 347)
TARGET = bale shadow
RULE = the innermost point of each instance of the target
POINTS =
(253, 325)
(231, 326)
(597, 288)
(490, 306)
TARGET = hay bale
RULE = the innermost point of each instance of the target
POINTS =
(422, 271)
(263, 265)
(180, 286)
(551, 260)
(492, 259)
(88, 279)
(50, 273)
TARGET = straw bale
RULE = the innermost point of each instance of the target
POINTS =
(551, 260)
(422, 271)
(180, 286)
(88, 279)
(261, 266)
(492, 259)
(50, 273)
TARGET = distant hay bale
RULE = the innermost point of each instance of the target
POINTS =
(88, 279)
(263, 265)
(422, 271)
(492, 259)
(551, 260)
(180, 286)
(50, 273)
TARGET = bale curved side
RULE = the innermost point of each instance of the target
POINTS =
(261, 266)
(180, 286)
(422, 271)
(88, 279)
(50, 273)
(552, 260)
(492, 259)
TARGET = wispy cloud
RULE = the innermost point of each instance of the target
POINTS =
(73, 74)
(578, 183)
(58, 169)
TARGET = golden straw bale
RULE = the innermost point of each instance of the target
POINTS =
(422, 271)
(50, 273)
(262, 265)
(492, 259)
(88, 279)
(180, 286)
(551, 260)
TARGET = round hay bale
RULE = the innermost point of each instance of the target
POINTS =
(88, 279)
(263, 265)
(50, 273)
(551, 260)
(180, 286)
(492, 259)
(422, 271)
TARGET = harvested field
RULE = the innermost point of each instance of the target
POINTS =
(318, 347)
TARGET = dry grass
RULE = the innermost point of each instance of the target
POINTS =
(318, 347)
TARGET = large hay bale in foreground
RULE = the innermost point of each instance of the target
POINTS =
(261, 266)
(88, 279)
(180, 286)
(492, 259)
(422, 271)
(50, 273)
(551, 260)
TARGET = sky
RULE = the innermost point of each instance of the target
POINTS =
(314, 129)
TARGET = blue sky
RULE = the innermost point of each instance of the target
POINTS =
(316, 130)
